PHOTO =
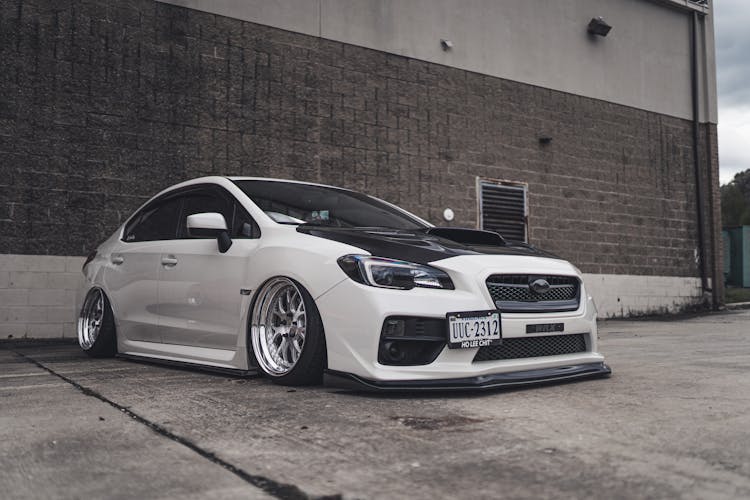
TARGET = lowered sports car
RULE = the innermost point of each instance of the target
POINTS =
(304, 282)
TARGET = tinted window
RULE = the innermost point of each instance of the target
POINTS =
(292, 203)
(244, 226)
(158, 222)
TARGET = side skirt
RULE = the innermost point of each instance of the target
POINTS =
(236, 372)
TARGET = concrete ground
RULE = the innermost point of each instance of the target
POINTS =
(672, 422)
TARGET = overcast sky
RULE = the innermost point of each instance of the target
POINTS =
(732, 27)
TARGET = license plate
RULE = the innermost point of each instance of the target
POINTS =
(474, 329)
(545, 328)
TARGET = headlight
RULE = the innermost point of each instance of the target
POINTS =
(389, 273)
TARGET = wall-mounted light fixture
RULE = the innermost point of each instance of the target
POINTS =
(597, 26)
(446, 44)
(448, 214)
(544, 140)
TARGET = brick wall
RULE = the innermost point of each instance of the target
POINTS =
(104, 103)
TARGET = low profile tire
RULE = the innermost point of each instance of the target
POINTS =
(96, 326)
(286, 333)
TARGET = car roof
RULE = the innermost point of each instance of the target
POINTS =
(216, 179)
(245, 178)
(220, 179)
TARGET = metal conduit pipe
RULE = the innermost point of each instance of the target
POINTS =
(699, 195)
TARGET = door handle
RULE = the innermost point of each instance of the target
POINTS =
(117, 260)
(169, 261)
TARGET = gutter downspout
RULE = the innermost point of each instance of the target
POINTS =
(700, 202)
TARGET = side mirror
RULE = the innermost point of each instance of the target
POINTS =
(210, 225)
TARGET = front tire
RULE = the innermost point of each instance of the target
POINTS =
(286, 333)
(96, 326)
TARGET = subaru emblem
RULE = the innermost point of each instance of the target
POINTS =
(540, 286)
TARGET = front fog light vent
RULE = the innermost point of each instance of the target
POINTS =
(394, 328)
(409, 341)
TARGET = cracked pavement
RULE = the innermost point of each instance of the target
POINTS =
(673, 421)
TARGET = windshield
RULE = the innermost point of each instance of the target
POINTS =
(292, 203)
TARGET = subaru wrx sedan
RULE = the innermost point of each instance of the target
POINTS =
(304, 282)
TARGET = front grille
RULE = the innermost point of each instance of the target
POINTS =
(533, 347)
(512, 293)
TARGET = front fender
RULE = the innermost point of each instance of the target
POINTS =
(309, 260)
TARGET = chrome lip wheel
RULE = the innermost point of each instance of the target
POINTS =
(279, 326)
(90, 319)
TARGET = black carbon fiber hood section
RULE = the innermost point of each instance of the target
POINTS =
(419, 245)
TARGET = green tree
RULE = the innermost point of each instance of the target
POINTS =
(735, 200)
(742, 181)
(734, 208)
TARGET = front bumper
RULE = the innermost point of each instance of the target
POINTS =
(353, 316)
(482, 382)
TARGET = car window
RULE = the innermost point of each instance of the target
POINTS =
(293, 203)
(244, 226)
(157, 222)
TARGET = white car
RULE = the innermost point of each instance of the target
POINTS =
(302, 281)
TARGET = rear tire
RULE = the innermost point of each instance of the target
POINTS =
(96, 325)
(286, 333)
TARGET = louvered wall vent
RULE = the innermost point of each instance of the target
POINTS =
(502, 208)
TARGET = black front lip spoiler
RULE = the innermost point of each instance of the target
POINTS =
(482, 382)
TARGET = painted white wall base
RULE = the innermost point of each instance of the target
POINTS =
(622, 295)
(39, 293)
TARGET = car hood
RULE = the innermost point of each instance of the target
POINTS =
(422, 247)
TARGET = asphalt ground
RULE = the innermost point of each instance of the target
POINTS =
(673, 421)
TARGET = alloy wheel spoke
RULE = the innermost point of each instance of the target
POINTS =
(275, 336)
(279, 307)
(284, 350)
(297, 346)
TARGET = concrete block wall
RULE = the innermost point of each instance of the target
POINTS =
(38, 295)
